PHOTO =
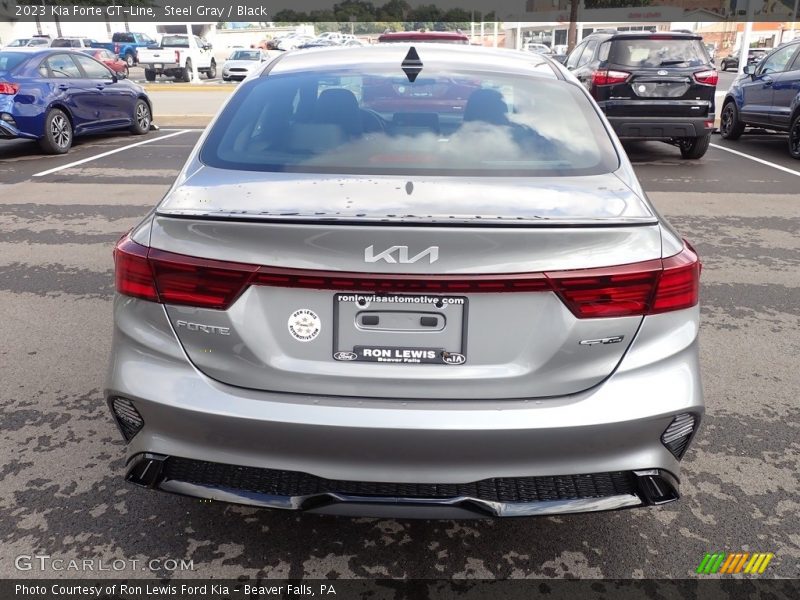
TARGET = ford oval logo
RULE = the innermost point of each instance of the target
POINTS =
(345, 356)
(663, 72)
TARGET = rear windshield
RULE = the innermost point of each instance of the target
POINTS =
(64, 43)
(246, 55)
(9, 60)
(444, 39)
(379, 122)
(657, 53)
(175, 41)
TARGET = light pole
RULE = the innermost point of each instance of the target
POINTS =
(744, 51)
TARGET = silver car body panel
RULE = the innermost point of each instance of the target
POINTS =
(531, 400)
(610, 427)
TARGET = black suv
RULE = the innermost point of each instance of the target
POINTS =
(651, 85)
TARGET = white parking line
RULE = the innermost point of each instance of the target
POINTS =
(758, 160)
(109, 153)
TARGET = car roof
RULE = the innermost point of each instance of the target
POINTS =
(423, 35)
(34, 50)
(678, 35)
(476, 58)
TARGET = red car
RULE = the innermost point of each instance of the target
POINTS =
(439, 37)
(113, 62)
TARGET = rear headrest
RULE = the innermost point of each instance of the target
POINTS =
(487, 106)
(338, 106)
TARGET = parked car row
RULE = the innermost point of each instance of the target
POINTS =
(662, 85)
(52, 95)
(124, 45)
(651, 85)
(766, 95)
(754, 56)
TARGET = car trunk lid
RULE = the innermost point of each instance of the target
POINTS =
(361, 298)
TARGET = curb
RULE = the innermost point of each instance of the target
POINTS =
(188, 87)
(183, 120)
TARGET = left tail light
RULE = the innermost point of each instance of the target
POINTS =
(710, 77)
(8, 89)
(643, 288)
(132, 273)
(609, 77)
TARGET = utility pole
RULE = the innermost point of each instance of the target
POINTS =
(572, 31)
(744, 51)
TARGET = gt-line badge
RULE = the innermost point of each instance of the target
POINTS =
(304, 325)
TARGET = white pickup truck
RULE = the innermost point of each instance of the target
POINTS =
(177, 55)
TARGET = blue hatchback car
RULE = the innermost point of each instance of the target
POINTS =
(766, 95)
(54, 94)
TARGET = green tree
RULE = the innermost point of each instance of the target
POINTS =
(394, 10)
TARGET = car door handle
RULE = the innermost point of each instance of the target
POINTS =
(767, 81)
(63, 86)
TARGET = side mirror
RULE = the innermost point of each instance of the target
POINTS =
(749, 69)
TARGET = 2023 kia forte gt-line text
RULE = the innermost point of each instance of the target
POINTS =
(407, 280)
(55, 94)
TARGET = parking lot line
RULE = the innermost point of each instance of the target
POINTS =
(109, 153)
(758, 160)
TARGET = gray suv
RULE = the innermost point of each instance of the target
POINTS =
(407, 280)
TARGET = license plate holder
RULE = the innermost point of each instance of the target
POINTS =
(417, 329)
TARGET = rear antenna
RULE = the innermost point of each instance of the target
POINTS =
(412, 65)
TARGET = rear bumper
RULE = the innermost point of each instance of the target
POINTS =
(7, 132)
(163, 67)
(235, 440)
(661, 128)
(507, 497)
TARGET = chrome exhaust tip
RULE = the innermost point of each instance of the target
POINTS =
(146, 471)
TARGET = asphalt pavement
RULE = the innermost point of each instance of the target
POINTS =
(61, 486)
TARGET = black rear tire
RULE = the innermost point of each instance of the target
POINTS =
(142, 118)
(130, 60)
(724, 65)
(149, 75)
(212, 71)
(794, 137)
(57, 133)
(730, 127)
(186, 75)
(694, 148)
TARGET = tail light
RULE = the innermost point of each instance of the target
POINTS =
(607, 77)
(643, 288)
(710, 77)
(132, 273)
(116, 48)
(177, 56)
(8, 89)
